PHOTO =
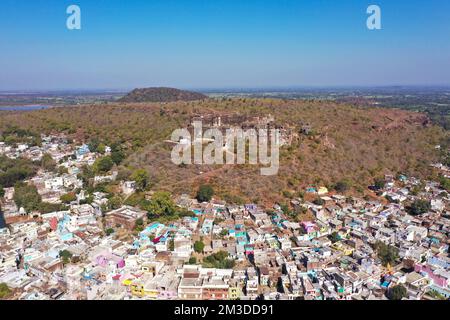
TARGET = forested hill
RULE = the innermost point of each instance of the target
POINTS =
(161, 95)
(343, 143)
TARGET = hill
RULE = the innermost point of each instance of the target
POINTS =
(345, 142)
(161, 95)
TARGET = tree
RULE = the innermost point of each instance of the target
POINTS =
(47, 162)
(419, 207)
(199, 246)
(397, 293)
(68, 197)
(87, 173)
(15, 170)
(93, 145)
(387, 254)
(445, 183)
(2, 192)
(192, 260)
(334, 237)
(319, 202)
(45, 207)
(4, 290)
(109, 231)
(101, 148)
(285, 208)
(66, 256)
(342, 186)
(114, 203)
(224, 233)
(218, 260)
(117, 156)
(103, 165)
(379, 183)
(62, 170)
(140, 222)
(205, 193)
(161, 204)
(27, 196)
(141, 178)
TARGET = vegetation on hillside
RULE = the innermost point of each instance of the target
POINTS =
(348, 150)
(161, 95)
(15, 170)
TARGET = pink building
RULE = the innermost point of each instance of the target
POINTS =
(433, 274)
(106, 259)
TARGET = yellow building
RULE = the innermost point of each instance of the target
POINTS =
(234, 291)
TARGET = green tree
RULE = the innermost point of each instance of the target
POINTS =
(218, 260)
(445, 183)
(93, 145)
(419, 207)
(171, 245)
(68, 197)
(101, 148)
(192, 260)
(45, 207)
(62, 170)
(319, 202)
(397, 293)
(66, 256)
(5, 291)
(342, 186)
(141, 178)
(117, 156)
(114, 203)
(109, 231)
(224, 233)
(27, 196)
(140, 222)
(334, 237)
(379, 183)
(87, 173)
(161, 204)
(103, 165)
(387, 254)
(199, 246)
(205, 193)
(2, 192)
(285, 208)
(15, 170)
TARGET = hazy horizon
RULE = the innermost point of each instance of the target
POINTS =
(231, 89)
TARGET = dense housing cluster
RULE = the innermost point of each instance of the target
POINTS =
(78, 242)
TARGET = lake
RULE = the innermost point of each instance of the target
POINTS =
(24, 108)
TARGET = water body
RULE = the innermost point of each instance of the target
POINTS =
(24, 108)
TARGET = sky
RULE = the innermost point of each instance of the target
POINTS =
(191, 44)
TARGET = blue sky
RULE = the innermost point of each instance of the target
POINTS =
(222, 43)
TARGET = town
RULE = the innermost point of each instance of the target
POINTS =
(67, 235)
